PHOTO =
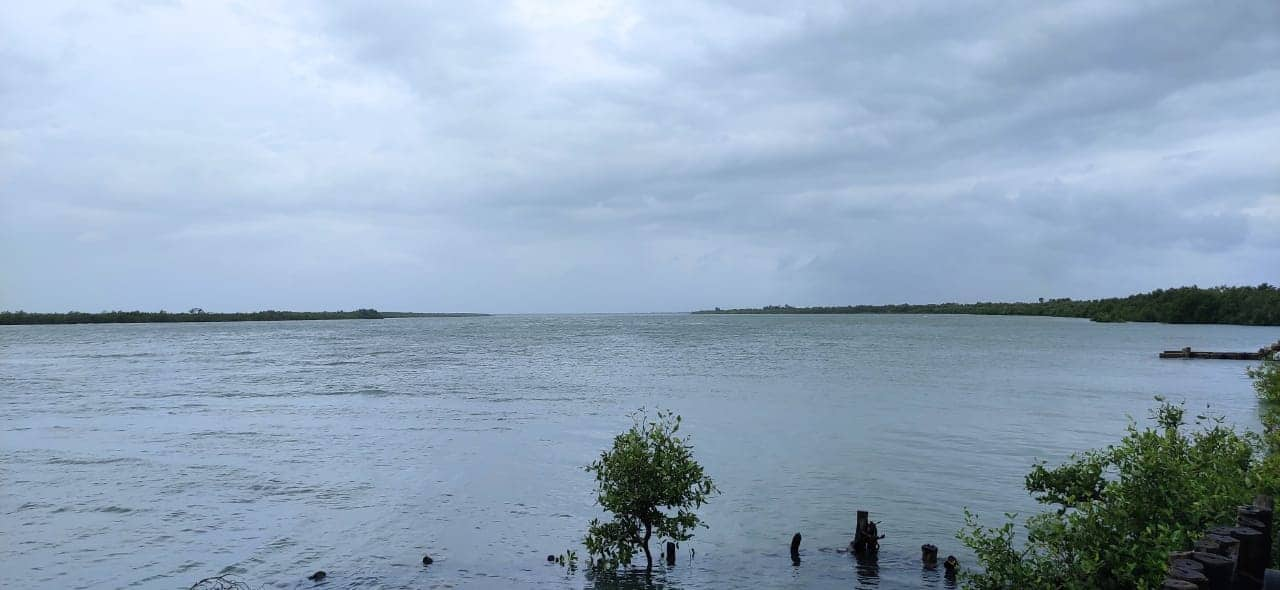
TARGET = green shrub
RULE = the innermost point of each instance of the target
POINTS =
(1122, 509)
(1266, 380)
(650, 482)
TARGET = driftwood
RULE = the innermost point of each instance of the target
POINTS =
(220, 583)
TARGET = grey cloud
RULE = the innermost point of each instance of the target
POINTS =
(514, 156)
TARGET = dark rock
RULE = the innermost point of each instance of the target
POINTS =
(426, 560)
(316, 577)
(551, 558)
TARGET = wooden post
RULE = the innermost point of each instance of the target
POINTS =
(1212, 544)
(950, 567)
(671, 553)
(1229, 546)
(795, 549)
(1250, 561)
(859, 542)
(1187, 564)
(929, 555)
(1217, 568)
(1196, 577)
(1261, 514)
(866, 538)
(1186, 351)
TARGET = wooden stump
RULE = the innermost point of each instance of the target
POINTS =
(671, 553)
(1228, 545)
(1186, 564)
(929, 555)
(795, 549)
(1262, 514)
(1196, 577)
(866, 538)
(1251, 562)
(859, 544)
(1217, 568)
(951, 567)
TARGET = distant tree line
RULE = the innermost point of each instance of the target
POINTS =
(1251, 306)
(194, 315)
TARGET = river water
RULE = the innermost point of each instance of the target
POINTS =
(151, 456)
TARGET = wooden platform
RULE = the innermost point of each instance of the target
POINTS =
(1196, 354)
(1187, 353)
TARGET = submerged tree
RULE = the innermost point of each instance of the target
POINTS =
(651, 484)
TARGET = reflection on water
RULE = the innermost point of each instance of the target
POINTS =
(629, 579)
(867, 569)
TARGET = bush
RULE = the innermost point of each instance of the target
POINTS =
(1122, 509)
(1266, 380)
(650, 482)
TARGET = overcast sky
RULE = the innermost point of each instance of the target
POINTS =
(647, 156)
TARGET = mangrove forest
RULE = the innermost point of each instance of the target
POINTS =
(1250, 306)
(199, 315)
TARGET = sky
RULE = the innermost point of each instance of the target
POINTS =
(600, 156)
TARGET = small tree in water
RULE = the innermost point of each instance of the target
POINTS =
(651, 484)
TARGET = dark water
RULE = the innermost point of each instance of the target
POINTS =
(150, 456)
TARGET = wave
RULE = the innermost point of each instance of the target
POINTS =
(107, 461)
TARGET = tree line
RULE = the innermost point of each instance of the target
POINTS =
(1250, 306)
(194, 315)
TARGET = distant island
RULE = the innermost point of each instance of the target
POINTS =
(199, 315)
(1249, 306)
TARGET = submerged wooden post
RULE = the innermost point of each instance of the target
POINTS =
(795, 549)
(951, 567)
(671, 553)
(929, 555)
(866, 538)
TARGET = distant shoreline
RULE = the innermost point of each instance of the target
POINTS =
(1243, 306)
(16, 318)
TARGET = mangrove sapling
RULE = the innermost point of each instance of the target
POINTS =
(568, 560)
(651, 484)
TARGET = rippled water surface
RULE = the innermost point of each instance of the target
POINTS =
(151, 456)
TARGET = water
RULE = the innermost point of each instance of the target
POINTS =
(151, 456)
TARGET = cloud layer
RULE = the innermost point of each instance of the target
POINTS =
(612, 156)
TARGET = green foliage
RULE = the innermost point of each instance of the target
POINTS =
(651, 484)
(1266, 380)
(568, 560)
(1122, 509)
(1256, 306)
